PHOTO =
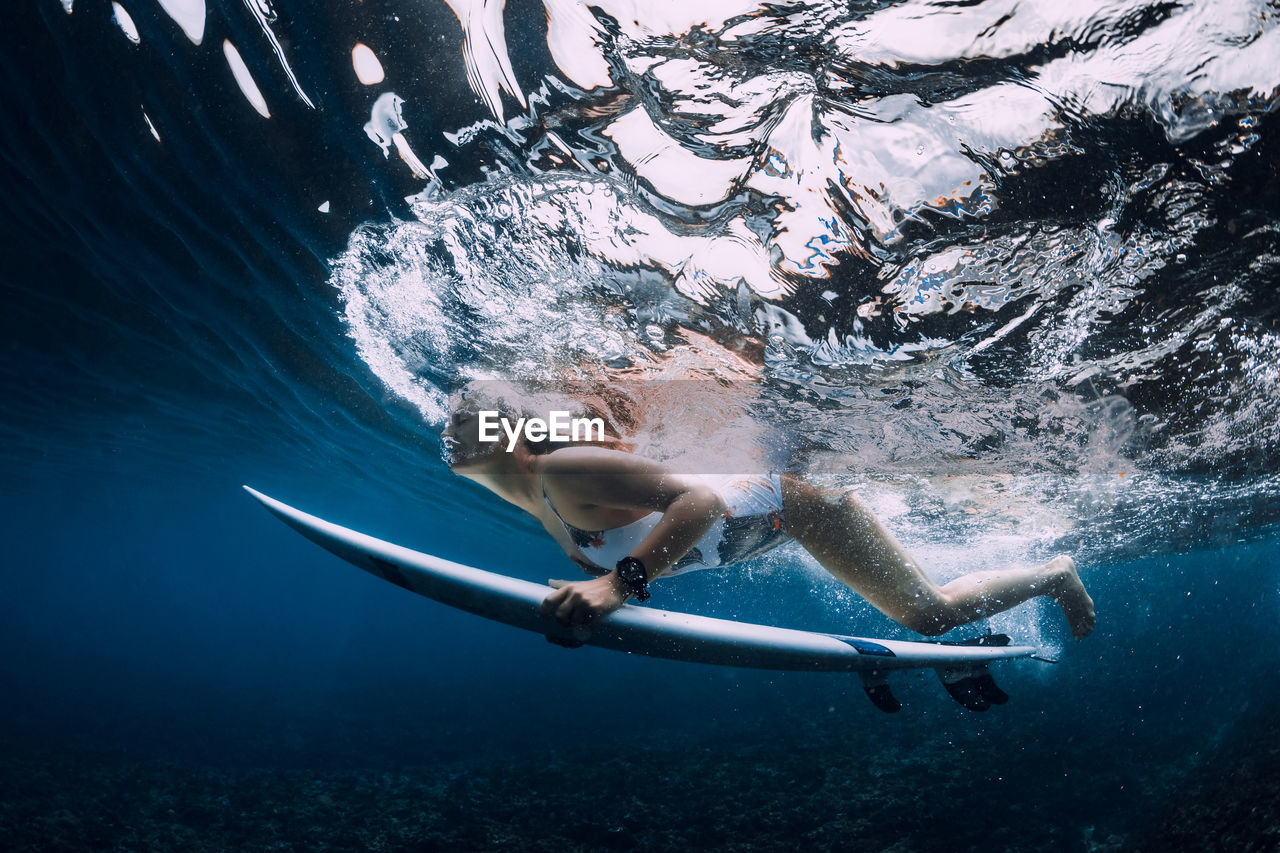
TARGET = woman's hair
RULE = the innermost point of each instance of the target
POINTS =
(513, 401)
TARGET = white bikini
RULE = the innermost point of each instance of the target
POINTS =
(753, 523)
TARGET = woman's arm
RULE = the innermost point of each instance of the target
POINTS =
(582, 481)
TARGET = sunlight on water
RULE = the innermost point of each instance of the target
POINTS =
(151, 127)
(367, 67)
(125, 23)
(265, 15)
(189, 15)
(710, 163)
(244, 79)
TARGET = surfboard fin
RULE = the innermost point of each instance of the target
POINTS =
(972, 686)
(877, 686)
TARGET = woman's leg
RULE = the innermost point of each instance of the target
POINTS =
(853, 545)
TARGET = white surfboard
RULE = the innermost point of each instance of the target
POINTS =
(663, 633)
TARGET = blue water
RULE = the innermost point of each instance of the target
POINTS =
(1076, 351)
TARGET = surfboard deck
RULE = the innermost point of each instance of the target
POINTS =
(660, 633)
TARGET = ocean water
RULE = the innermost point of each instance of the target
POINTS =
(1008, 269)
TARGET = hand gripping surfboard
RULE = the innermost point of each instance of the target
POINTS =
(962, 667)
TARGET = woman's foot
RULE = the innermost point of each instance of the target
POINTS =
(1069, 592)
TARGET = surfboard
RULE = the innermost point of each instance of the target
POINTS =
(663, 633)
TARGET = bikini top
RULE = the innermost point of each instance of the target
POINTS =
(605, 547)
(750, 527)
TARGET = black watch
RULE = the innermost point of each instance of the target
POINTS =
(634, 577)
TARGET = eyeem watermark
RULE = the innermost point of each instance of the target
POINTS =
(560, 428)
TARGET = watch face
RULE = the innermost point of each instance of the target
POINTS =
(632, 570)
(634, 576)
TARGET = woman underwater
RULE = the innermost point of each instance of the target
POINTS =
(628, 520)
